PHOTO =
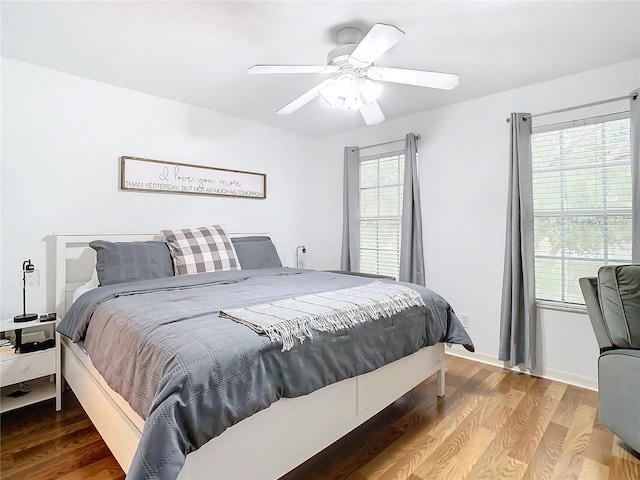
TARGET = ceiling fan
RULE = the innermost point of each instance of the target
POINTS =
(352, 69)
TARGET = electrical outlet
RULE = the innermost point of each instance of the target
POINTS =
(32, 278)
(465, 319)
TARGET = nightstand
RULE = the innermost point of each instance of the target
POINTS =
(39, 369)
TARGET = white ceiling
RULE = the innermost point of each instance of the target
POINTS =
(198, 52)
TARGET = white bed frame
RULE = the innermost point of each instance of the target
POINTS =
(295, 429)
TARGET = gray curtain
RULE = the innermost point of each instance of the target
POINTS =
(635, 175)
(518, 315)
(350, 260)
(411, 256)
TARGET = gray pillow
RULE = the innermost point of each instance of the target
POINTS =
(256, 252)
(119, 262)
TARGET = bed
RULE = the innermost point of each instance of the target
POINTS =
(267, 444)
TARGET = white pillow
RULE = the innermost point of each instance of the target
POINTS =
(90, 285)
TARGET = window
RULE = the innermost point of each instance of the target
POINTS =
(581, 202)
(381, 185)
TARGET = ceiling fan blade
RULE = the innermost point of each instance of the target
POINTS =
(380, 38)
(303, 99)
(267, 69)
(372, 113)
(420, 78)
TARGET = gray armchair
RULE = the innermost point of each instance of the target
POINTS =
(613, 304)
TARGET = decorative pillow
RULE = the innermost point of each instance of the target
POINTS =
(256, 252)
(119, 262)
(204, 249)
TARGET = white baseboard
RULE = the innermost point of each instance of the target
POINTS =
(548, 373)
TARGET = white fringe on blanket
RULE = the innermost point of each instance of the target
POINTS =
(325, 311)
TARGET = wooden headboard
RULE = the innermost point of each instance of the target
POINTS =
(76, 261)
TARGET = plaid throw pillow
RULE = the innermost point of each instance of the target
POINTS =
(204, 249)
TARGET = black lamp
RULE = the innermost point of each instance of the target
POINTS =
(27, 267)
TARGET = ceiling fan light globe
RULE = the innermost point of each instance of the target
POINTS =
(331, 93)
(350, 92)
(346, 81)
(352, 102)
(369, 91)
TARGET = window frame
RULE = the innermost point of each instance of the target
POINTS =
(378, 157)
(595, 119)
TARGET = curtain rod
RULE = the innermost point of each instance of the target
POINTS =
(386, 143)
(584, 105)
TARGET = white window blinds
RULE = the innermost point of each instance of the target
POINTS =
(581, 202)
(381, 185)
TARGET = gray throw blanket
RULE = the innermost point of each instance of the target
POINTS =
(325, 312)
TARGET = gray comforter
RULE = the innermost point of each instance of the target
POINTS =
(191, 374)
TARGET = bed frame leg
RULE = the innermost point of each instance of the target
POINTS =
(59, 378)
(440, 381)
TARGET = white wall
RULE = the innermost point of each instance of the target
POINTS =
(63, 136)
(463, 175)
(1, 185)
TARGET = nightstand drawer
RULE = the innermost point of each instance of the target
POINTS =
(26, 366)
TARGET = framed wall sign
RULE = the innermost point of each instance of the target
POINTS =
(145, 175)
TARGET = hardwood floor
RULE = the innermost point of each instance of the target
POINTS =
(492, 424)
